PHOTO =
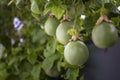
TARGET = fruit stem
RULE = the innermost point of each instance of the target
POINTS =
(65, 18)
(102, 18)
(51, 15)
(74, 37)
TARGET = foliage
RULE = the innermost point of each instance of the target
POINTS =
(27, 60)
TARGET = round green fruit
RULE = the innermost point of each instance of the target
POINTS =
(104, 35)
(76, 53)
(53, 72)
(61, 32)
(51, 25)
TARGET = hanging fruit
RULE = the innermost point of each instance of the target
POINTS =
(76, 52)
(61, 32)
(104, 34)
(51, 25)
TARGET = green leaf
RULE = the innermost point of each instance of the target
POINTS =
(3, 74)
(32, 57)
(3, 65)
(21, 57)
(12, 60)
(72, 31)
(59, 63)
(56, 7)
(50, 48)
(112, 8)
(116, 22)
(25, 66)
(36, 71)
(57, 11)
(72, 74)
(13, 77)
(24, 75)
(38, 36)
(35, 7)
(49, 61)
(36, 16)
(10, 2)
(17, 2)
(60, 48)
(94, 4)
(116, 2)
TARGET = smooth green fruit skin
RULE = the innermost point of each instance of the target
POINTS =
(50, 26)
(104, 35)
(61, 32)
(76, 53)
(53, 72)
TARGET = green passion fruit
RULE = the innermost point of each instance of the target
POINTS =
(104, 35)
(51, 25)
(76, 53)
(61, 32)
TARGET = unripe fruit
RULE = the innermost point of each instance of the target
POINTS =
(104, 35)
(76, 53)
(50, 26)
(61, 32)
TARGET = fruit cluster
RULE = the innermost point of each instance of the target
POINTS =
(76, 53)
